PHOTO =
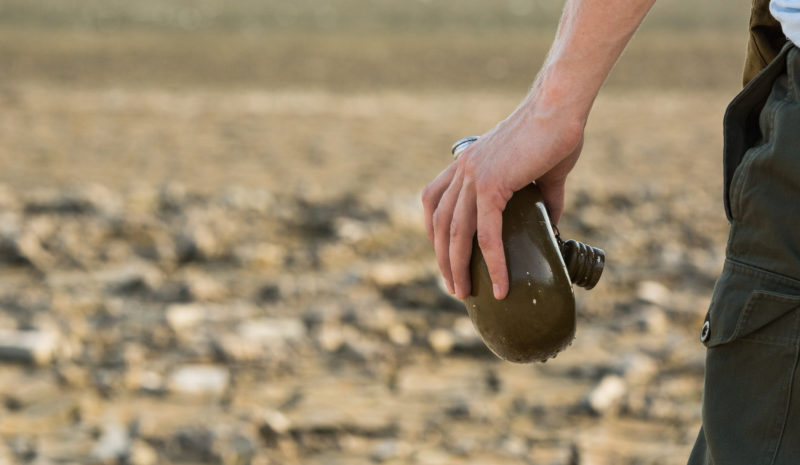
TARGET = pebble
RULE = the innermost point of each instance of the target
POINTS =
(607, 396)
(441, 340)
(28, 346)
(199, 379)
(653, 292)
(113, 445)
(141, 453)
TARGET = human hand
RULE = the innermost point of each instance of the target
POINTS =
(470, 195)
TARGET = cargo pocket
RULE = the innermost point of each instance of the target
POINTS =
(752, 341)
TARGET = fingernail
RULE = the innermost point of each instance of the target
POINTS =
(496, 290)
(450, 288)
(458, 292)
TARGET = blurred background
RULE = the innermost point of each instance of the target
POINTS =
(212, 247)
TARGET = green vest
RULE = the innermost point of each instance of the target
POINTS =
(766, 39)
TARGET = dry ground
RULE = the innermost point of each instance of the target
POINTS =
(342, 113)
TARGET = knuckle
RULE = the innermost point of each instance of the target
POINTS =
(455, 230)
(471, 166)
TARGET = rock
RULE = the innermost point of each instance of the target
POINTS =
(199, 380)
(330, 336)
(113, 445)
(264, 338)
(131, 279)
(200, 287)
(274, 332)
(399, 334)
(422, 293)
(197, 242)
(272, 424)
(264, 256)
(141, 453)
(253, 200)
(360, 348)
(461, 338)
(636, 368)
(233, 449)
(22, 244)
(653, 292)
(28, 346)
(24, 448)
(387, 274)
(172, 197)
(389, 449)
(181, 317)
(607, 396)
(269, 293)
(147, 381)
(651, 319)
(193, 444)
(82, 200)
(441, 340)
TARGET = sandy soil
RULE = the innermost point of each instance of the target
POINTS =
(212, 249)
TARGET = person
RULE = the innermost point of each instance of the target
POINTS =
(751, 397)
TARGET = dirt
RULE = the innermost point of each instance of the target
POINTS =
(212, 248)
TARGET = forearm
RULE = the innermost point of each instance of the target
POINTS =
(540, 141)
(591, 36)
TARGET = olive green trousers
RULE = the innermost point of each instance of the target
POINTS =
(751, 397)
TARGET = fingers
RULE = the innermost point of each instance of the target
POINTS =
(553, 195)
(432, 194)
(462, 232)
(442, 218)
(490, 240)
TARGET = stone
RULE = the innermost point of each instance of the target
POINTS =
(181, 317)
(399, 334)
(653, 292)
(197, 243)
(113, 445)
(23, 447)
(636, 368)
(274, 332)
(252, 200)
(607, 396)
(263, 338)
(28, 346)
(199, 380)
(233, 449)
(652, 319)
(131, 278)
(330, 336)
(441, 340)
(200, 287)
(263, 256)
(141, 453)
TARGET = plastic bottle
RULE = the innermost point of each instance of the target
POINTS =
(536, 320)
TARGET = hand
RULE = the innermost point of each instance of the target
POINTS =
(470, 195)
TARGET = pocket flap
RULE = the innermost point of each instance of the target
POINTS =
(728, 323)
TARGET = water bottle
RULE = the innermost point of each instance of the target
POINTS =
(536, 320)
